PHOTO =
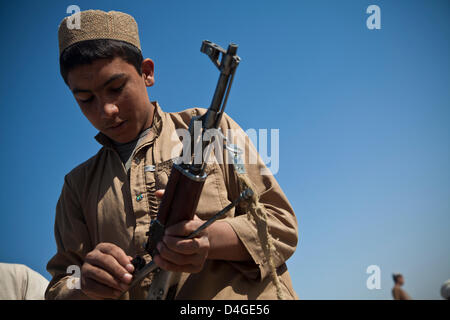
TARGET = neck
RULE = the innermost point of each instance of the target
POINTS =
(150, 116)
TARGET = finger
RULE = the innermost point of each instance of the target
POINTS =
(98, 290)
(118, 254)
(168, 266)
(185, 228)
(176, 258)
(186, 246)
(101, 276)
(130, 266)
(109, 265)
(159, 193)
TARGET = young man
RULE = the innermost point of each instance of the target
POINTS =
(397, 292)
(107, 202)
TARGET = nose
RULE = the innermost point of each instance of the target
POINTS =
(109, 110)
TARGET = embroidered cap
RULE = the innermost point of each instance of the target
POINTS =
(97, 24)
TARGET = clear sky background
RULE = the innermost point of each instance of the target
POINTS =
(364, 120)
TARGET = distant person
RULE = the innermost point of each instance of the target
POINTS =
(19, 282)
(397, 292)
(445, 290)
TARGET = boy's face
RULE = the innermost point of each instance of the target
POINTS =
(113, 96)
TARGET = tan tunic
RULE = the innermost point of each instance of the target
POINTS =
(101, 202)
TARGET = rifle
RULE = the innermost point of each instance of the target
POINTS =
(186, 179)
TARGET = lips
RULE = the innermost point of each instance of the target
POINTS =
(116, 126)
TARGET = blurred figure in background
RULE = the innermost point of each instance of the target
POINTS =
(397, 292)
(19, 282)
(445, 290)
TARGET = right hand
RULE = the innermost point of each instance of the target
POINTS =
(106, 272)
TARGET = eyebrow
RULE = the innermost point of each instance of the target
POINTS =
(111, 79)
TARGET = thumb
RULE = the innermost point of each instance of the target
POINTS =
(159, 193)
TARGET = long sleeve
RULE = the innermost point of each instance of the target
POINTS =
(281, 220)
(72, 241)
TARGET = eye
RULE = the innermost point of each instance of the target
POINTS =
(87, 100)
(119, 89)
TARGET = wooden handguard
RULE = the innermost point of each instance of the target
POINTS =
(179, 203)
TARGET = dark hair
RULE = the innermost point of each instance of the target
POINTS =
(395, 276)
(86, 52)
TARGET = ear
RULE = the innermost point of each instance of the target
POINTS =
(148, 68)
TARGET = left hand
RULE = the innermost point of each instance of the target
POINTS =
(182, 255)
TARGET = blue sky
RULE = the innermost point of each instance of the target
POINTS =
(364, 120)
